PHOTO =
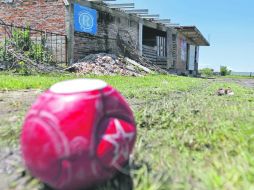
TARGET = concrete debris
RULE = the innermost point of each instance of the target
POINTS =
(108, 64)
(128, 60)
(225, 91)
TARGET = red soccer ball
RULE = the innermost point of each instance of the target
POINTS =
(77, 134)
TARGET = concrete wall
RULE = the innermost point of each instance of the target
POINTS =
(38, 14)
(196, 60)
(170, 64)
(181, 67)
(110, 25)
(180, 64)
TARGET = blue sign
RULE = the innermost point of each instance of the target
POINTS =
(85, 19)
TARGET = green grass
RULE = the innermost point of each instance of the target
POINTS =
(199, 140)
(237, 77)
(188, 137)
(138, 87)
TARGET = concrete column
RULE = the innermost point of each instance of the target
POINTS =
(196, 58)
(140, 37)
(169, 48)
(70, 33)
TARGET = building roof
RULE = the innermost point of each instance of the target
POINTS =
(194, 35)
(191, 32)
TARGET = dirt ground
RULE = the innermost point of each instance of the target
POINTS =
(12, 103)
(243, 82)
(13, 106)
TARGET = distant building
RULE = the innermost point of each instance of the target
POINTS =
(93, 27)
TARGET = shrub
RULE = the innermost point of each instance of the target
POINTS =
(22, 42)
(5, 57)
(206, 72)
(224, 71)
(22, 39)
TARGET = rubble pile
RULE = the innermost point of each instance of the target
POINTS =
(110, 64)
(106, 64)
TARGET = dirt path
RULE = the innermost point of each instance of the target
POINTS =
(14, 104)
(243, 82)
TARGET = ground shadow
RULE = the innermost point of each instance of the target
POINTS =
(121, 181)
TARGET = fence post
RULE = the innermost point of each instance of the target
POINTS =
(56, 48)
(42, 47)
(5, 44)
(12, 37)
(11, 29)
(70, 33)
(66, 50)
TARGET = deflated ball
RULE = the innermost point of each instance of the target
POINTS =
(77, 134)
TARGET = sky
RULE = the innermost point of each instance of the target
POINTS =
(227, 24)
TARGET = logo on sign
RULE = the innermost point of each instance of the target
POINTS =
(86, 21)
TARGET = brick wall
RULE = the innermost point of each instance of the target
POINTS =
(52, 15)
(39, 14)
(110, 25)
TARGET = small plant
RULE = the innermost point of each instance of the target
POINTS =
(22, 42)
(206, 72)
(22, 68)
(22, 39)
(224, 71)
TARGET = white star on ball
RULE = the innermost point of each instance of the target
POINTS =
(120, 150)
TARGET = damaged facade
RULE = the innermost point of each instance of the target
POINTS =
(173, 48)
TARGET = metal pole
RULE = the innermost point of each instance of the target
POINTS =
(56, 47)
(51, 45)
(61, 48)
(5, 44)
(66, 50)
(42, 47)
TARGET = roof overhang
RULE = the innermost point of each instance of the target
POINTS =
(192, 33)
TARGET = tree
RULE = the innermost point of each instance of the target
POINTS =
(224, 71)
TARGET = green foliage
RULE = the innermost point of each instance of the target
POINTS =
(224, 71)
(4, 55)
(238, 77)
(22, 42)
(206, 72)
(22, 68)
(22, 39)
(139, 87)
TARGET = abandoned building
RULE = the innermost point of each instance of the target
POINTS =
(81, 27)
